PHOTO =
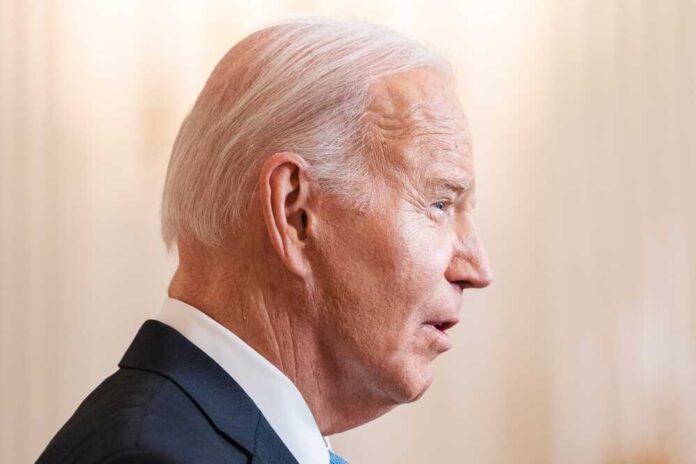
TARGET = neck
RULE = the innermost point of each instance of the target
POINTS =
(278, 322)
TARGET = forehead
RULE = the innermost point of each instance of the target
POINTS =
(420, 129)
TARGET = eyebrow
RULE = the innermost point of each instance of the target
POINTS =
(456, 184)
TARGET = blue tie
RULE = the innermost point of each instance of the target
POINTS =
(336, 459)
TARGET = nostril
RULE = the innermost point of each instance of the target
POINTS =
(461, 284)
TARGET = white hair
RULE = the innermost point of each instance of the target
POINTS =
(301, 85)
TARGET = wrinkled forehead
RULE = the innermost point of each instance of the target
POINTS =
(419, 127)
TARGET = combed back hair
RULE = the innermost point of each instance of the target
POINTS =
(301, 85)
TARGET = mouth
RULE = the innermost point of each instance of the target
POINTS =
(443, 325)
(437, 330)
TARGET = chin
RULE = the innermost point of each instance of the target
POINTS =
(412, 385)
(424, 387)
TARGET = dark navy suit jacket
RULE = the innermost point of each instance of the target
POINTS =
(168, 403)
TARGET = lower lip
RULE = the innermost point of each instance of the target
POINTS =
(441, 339)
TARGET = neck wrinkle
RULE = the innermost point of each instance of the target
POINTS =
(271, 322)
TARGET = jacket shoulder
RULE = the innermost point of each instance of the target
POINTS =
(139, 416)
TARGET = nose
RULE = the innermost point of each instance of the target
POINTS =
(469, 264)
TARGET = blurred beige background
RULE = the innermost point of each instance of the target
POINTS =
(583, 114)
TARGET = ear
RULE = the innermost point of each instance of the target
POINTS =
(284, 194)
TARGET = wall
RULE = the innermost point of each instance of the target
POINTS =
(582, 351)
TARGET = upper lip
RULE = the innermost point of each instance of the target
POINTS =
(442, 323)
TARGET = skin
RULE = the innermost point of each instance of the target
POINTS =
(340, 300)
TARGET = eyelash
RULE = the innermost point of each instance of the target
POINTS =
(445, 202)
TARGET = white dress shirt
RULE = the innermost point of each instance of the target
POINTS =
(275, 395)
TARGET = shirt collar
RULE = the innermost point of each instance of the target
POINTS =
(273, 392)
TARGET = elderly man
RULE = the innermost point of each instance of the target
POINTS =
(319, 195)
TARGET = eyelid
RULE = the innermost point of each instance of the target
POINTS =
(448, 204)
(456, 202)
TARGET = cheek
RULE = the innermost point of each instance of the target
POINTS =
(420, 256)
(382, 278)
(426, 250)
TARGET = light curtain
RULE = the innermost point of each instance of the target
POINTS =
(582, 351)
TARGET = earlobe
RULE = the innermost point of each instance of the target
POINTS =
(283, 194)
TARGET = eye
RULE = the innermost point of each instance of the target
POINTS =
(441, 205)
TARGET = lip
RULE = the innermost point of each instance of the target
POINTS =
(437, 330)
(442, 324)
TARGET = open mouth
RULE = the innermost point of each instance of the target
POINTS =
(437, 330)
(442, 326)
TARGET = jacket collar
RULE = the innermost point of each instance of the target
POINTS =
(159, 348)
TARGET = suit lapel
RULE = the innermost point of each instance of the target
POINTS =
(269, 449)
(161, 349)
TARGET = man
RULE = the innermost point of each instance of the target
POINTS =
(319, 195)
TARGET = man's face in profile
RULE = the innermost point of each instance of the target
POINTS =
(391, 278)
